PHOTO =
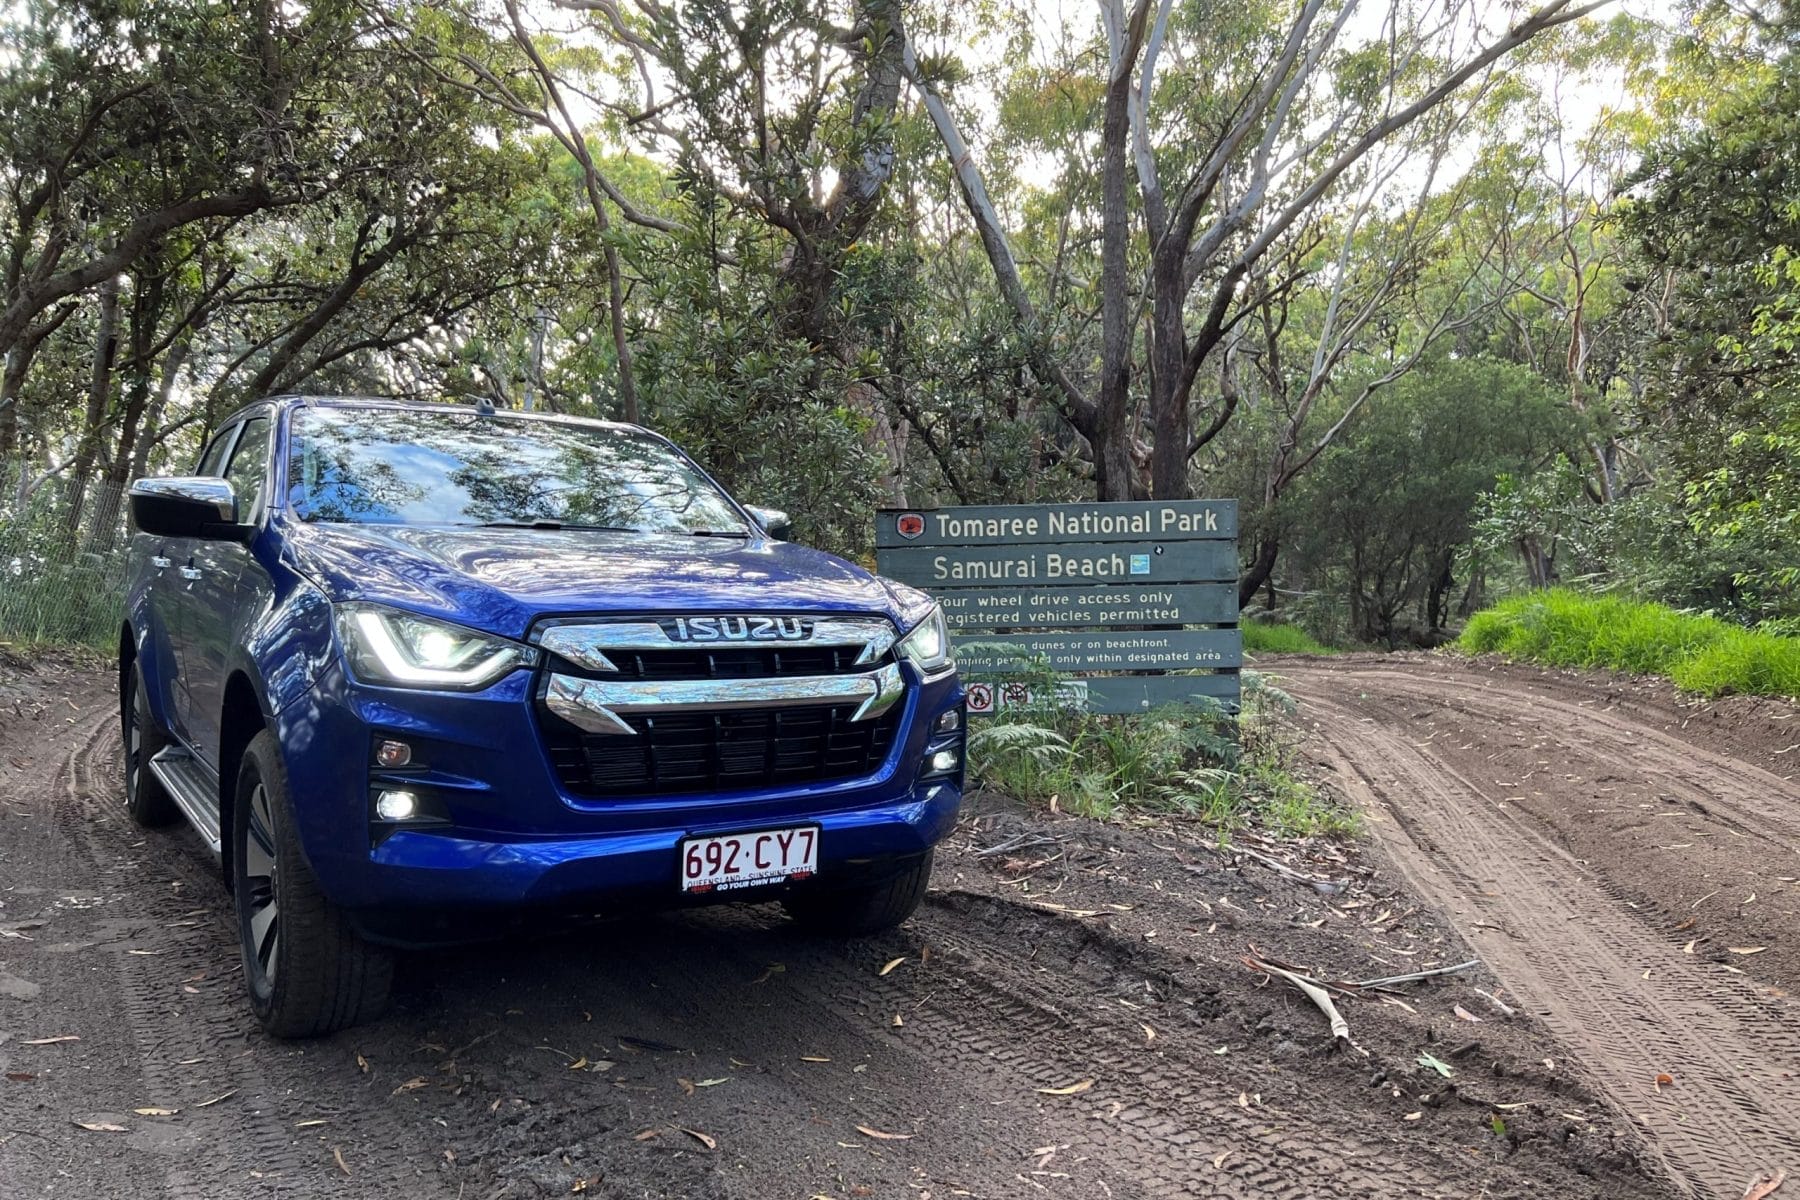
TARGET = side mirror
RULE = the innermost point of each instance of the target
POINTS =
(775, 523)
(186, 506)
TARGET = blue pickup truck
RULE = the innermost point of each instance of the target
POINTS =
(417, 670)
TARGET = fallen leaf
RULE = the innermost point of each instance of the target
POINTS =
(362, 1064)
(813, 1058)
(579, 1064)
(891, 965)
(339, 1155)
(646, 1135)
(1149, 1033)
(704, 1140)
(712, 1082)
(1689, 948)
(687, 1085)
(50, 1041)
(1765, 1185)
(898, 1020)
(886, 1137)
(156, 1112)
(1073, 1088)
(1243, 1100)
(1465, 1014)
(1512, 1107)
(217, 1098)
(100, 1126)
(1219, 1159)
(411, 1085)
(1412, 1116)
(1687, 924)
(1662, 1079)
(1435, 1064)
(1748, 949)
(310, 1124)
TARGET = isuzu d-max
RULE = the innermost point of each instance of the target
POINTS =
(411, 667)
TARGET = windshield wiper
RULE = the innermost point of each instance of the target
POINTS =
(730, 533)
(545, 523)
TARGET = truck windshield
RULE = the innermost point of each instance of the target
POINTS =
(396, 466)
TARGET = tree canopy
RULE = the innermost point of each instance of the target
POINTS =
(1453, 299)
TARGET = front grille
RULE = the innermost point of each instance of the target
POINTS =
(684, 753)
(726, 662)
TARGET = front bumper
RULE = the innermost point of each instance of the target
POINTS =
(510, 837)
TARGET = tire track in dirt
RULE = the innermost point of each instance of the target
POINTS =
(1624, 998)
(197, 1043)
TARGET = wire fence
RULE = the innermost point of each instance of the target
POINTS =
(62, 564)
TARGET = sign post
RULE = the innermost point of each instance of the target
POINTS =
(1134, 589)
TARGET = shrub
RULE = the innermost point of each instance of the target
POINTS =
(1701, 654)
(1195, 761)
(1261, 637)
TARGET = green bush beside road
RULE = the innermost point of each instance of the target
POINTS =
(1700, 654)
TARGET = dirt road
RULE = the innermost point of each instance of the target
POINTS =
(1068, 1016)
(1625, 862)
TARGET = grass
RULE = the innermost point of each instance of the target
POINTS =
(1260, 637)
(1700, 654)
(1186, 761)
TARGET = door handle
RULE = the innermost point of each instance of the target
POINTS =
(190, 572)
(159, 562)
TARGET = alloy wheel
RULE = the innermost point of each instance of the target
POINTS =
(262, 927)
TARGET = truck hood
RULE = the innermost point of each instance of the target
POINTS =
(501, 580)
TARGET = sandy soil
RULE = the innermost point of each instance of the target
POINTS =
(1069, 1016)
(1626, 861)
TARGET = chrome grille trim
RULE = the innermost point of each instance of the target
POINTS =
(586, 642)
(594, 705)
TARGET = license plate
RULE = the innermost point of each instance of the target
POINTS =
(740, 860)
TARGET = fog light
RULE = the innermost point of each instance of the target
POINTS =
(948, 721)
(943, 760)
(396, 806)
(393, 754)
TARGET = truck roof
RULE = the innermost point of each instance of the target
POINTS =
(292, 400)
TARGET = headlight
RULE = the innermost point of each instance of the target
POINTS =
(927, 647)
(388, 646)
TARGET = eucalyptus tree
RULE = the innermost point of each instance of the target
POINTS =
(1208, 169)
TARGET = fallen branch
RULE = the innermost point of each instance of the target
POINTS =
(1505, 1008)
(1325, 887)
(1018, 841)
(1416, 975)
(1340, 1028)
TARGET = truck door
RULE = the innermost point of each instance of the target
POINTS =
(224, 589)
(171, 562)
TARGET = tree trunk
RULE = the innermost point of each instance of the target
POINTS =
(1112, 427)
(159, 404)
(1168, 391)
(1268, 547)
(99, 391)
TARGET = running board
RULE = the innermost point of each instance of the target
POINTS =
(192, 788)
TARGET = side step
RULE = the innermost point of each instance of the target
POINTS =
(193, 789)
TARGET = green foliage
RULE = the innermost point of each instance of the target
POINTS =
(1701, 654)
(1264, 637)
(1186, 760)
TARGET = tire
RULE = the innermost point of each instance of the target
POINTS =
(307, 970)
(145, 799)
(861, 911)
